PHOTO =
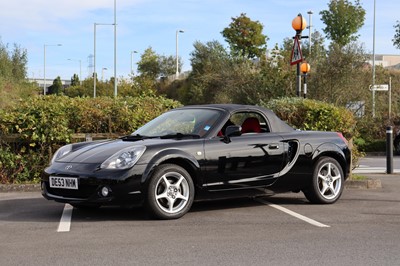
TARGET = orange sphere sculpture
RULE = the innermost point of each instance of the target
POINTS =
(299, 23)
(305, 67)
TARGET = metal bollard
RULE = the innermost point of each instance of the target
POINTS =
(389, 150)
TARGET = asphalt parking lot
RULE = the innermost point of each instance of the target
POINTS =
(362, 228)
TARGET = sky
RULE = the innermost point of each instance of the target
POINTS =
(35, 24)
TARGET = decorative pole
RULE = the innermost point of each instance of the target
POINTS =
(298, 24)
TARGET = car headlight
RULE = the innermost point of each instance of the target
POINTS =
(61, 152)
(124, 159)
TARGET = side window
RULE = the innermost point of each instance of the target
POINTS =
(251, 122)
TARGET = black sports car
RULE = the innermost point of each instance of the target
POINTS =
(199, 153)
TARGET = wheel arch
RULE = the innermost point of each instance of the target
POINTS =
(335, 152)
(177, 157)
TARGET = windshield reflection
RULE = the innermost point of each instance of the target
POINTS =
(181, 122)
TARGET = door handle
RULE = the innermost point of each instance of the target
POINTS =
(273, 146)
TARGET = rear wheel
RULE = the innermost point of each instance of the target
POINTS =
(170, 192)
(327, 182)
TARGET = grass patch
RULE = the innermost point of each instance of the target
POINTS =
(358, 177)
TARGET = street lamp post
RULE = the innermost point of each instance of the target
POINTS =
(102, 73)
(298, 24)
(305, 68)
(44, 65)
(373, 63)
(132, 52)
(115, 50)
(80, 69)
(177, 64)
(94, 57)
(309, 31)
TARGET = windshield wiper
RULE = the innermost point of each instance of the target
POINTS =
(134, 137)
(180, 136)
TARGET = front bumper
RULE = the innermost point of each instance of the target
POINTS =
(124, 186)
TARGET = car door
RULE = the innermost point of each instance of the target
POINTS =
(253, 159)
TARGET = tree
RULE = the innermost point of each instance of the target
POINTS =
(318, 50)
(341, 77)
(149, 64)
(57, 86)
(168, 65)
(75, 80)
(245, 37)
(19, 61)
(209, 61)
(396, 39)
(13, 63)
(343, 20)
(154, 66)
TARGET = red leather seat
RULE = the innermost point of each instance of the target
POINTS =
(251, 125)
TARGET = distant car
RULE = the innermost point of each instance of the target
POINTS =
(199, 153)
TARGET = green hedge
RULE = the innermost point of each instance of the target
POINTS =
(307, 114)
(45, 123)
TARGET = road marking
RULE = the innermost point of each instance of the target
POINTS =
(65, 222)
(292, 213)
(364, 169)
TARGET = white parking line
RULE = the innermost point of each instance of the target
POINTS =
(65, 222)
(364, 169)
(292, 213)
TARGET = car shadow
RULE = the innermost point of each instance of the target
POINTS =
(42, 210)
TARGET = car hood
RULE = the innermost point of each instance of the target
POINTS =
(98, 152)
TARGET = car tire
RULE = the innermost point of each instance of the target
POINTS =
(327, 182)
(170, 192)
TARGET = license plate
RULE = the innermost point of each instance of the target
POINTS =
(63, 182)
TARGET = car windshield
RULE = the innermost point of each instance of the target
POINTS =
(181, 122)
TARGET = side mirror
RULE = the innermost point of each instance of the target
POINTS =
(232, 131)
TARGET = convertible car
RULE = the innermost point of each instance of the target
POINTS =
(199, 153)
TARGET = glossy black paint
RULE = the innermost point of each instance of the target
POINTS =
(277, 160)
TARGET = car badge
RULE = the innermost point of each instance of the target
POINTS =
(68, 167)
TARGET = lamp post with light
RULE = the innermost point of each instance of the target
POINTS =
(102, 73)
(298, 24)
(94, 56)
(305, 69)
(309, 31)
(44, 65)
(177, 65)
(115, 50)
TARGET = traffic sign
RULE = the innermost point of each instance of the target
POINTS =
(297, 56)
(381, 87)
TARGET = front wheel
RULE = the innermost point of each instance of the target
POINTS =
(170, 192)
(327, 182)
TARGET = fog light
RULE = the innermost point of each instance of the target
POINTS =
(105, 191)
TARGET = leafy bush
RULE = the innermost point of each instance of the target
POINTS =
(42, 124)
(307, 114)
(373, 132)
